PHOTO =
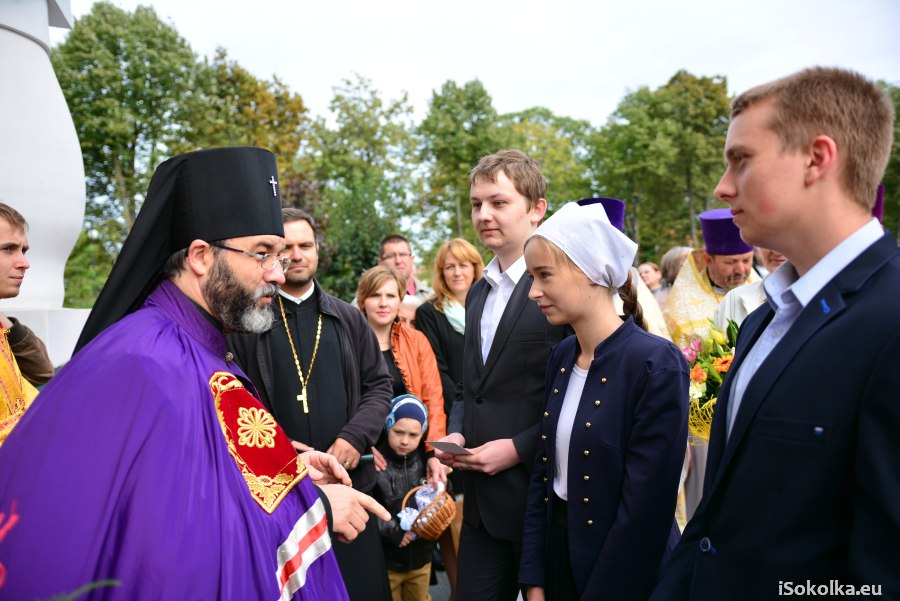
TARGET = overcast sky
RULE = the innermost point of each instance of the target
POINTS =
(577, 58)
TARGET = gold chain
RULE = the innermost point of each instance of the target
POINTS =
(301, 398)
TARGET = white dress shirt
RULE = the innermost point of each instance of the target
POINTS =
(789, 294)
(502, 286)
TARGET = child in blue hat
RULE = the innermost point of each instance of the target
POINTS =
(408, 558)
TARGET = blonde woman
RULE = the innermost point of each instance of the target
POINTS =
(442, 317)
(406, 352)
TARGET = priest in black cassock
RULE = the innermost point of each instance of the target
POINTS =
(320, 372)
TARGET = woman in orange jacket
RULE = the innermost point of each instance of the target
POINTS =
(407, 353)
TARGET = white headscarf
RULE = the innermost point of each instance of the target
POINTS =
(584, 233)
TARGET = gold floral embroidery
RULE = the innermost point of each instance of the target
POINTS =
(256, 428)
(267, 491)
(266, 488)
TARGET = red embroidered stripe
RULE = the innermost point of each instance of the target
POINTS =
(295, 562)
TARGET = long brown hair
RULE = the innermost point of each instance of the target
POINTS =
(630, 304)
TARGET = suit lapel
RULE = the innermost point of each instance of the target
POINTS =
(751, 330)
(474, 310)
(508, 320)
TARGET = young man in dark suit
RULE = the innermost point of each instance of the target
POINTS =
(802, 490)
(507, 343)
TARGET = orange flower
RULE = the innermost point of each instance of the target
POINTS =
(721, 364)
(697, 374)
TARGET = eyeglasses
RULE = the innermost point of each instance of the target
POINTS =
(393, 256)
(267, 262)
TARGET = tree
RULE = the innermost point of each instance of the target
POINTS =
(124, 76)
(558, 143)
(459, 129)
(660, 151)
(231, 107)
(364, 167)
(699, 109)
(892, 174)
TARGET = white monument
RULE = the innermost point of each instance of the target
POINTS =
(41, 168)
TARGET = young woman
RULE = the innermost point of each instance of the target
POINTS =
(407, 353)
(601, 503)
(442, 317)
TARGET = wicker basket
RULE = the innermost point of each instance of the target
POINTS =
(434, 517)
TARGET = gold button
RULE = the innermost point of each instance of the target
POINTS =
(585, 499)
(586, 452)
(543, 437)
(546, 499)
(546, 414)
(590, 522)
(545, 478)
(603, 380)
(597, 403)
(544, 459)
(562, 370)
(587, 424)
(556, 391)
(229, 357)
(586, 478)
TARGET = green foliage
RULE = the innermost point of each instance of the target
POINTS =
(86, 271)
(459, 129)
(892, 174)
(231, 107)
(125, 77)
(138, 95)
(365, 169)
(560, 144)
(661, 152)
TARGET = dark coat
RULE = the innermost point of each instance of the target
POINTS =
(447, 345)
(369, 386)
(503, 398)
(391, 485)
(807, 486)
(624, 464)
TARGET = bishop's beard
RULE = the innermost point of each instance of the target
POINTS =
(235, 306)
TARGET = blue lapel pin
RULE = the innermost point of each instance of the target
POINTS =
(825, 308)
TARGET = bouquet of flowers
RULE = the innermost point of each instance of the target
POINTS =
(709, 358)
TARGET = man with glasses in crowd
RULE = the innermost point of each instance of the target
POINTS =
(395, 252)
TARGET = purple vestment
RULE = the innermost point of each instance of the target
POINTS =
(120, 471)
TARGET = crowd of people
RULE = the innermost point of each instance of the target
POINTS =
(228, 429)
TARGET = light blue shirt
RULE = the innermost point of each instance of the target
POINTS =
(789, 294)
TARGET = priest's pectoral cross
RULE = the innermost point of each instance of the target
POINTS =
(301, 398)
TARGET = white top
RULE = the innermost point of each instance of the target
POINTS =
(564, 431)
(739, 303)
(789, 294)
(502, 286)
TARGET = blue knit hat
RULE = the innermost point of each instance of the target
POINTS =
(406, 405)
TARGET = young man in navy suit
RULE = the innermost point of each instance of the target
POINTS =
(802, 488)
(496, 413)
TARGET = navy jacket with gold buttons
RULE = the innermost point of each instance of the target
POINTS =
(624, 463)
